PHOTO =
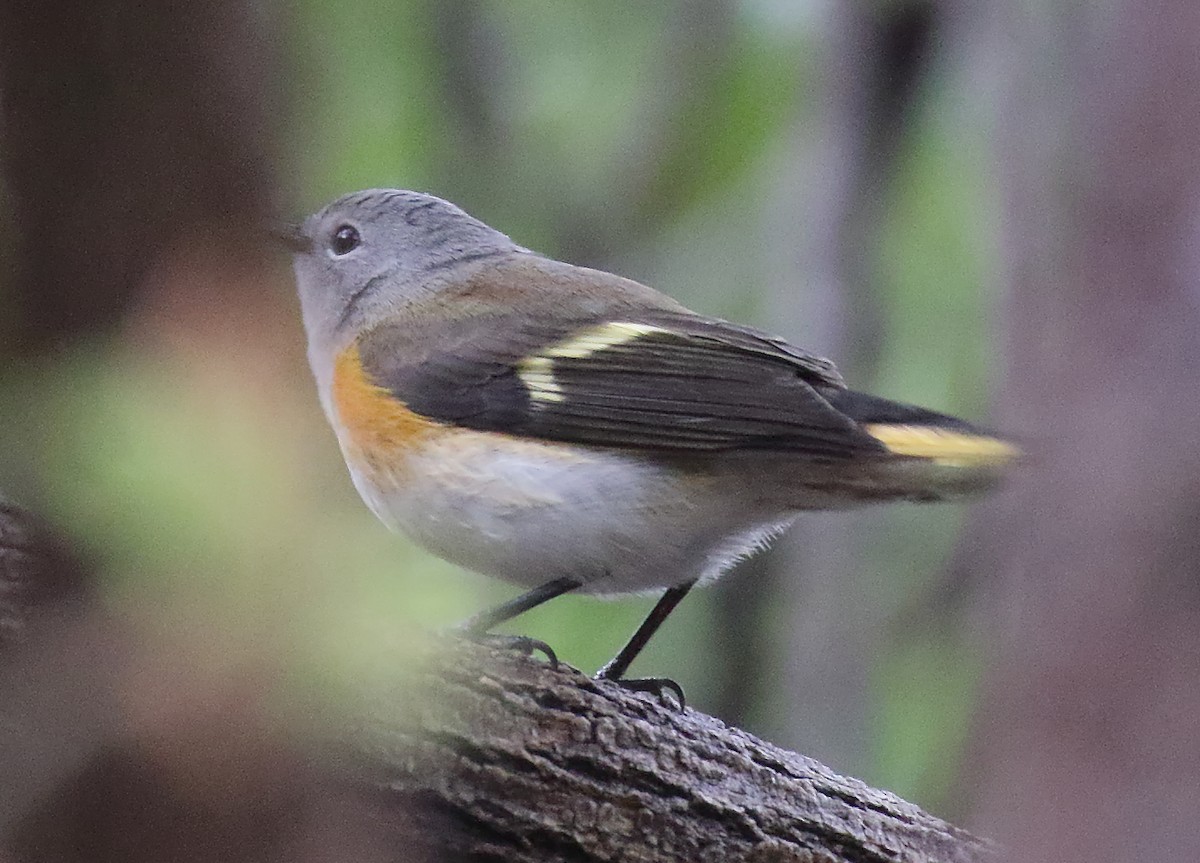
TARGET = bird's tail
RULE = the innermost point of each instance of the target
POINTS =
(931, 456)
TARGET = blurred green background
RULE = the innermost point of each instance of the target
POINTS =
(732, 154)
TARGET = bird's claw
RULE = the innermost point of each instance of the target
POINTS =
(522, 644)
(657, 686)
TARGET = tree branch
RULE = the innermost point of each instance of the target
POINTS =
(533, 764)
(469, 754)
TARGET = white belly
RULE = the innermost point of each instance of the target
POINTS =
(528, 512)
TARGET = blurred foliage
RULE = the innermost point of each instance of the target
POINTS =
(611, 134)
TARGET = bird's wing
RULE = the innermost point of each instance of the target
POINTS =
(657, 380)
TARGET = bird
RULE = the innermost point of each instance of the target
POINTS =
(566, 429)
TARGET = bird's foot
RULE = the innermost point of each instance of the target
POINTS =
(656, 686)
(521, 644)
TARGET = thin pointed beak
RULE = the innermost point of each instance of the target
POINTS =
(288, 235)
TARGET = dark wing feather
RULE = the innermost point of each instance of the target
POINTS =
(681, 383)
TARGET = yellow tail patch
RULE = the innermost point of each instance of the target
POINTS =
(944, 446)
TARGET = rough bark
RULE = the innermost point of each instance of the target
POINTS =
(535, 764)
(470, 755)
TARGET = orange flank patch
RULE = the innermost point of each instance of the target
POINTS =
(376, 424)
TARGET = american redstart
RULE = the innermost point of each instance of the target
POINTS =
(566, 429)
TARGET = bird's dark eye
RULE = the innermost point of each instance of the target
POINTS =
(345, 240)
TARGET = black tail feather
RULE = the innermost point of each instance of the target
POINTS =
(866, 409)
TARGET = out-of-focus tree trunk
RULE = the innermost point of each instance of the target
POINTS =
(822, 226)
(1087, 741)
(126, 127)
(137, 147)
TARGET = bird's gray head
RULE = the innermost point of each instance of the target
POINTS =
(369, 254)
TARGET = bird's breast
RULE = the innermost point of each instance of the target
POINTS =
(377, 431)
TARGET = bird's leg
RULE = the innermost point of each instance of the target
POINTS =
(616, 668)
(478, 627)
